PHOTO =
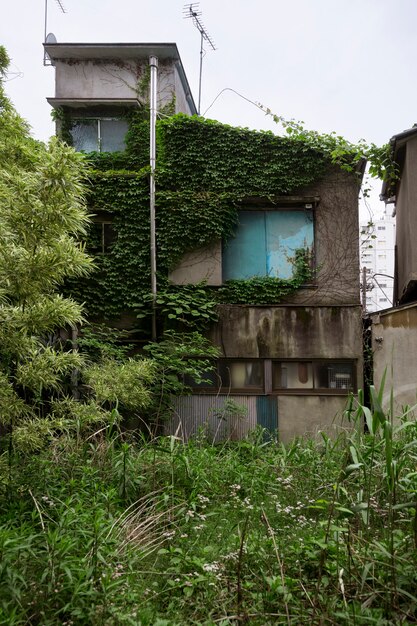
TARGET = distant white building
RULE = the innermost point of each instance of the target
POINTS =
(377, 246)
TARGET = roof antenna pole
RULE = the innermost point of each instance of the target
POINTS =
(45, 36)
(192, 11)
(45, 29)
(201, 74)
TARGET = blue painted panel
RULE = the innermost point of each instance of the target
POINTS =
(286, 232)
(244, 256)
(267, 412)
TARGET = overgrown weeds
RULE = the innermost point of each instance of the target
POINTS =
(127, 532)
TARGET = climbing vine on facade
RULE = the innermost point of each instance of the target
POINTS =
(205, 173)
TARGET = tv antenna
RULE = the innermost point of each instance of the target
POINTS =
(192, 11)
(51, 37)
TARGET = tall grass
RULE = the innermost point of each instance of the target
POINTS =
(161, 532)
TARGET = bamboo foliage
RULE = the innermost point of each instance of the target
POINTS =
(42, 219)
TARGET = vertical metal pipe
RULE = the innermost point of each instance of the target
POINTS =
(364, 283)
(46, 20)
(153, 62)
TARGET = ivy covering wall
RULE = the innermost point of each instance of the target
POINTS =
(205, 170)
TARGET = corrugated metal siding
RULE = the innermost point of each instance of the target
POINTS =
(203, 414)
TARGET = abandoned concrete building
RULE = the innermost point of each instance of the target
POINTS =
(290, 365)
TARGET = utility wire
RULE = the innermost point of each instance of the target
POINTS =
(384, 292)
(238, 94)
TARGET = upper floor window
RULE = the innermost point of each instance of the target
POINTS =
(99, 134)
(266, 243)
(102, 237)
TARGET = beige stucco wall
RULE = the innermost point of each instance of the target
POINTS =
(394, 346)
(406, 208)
(336, 244)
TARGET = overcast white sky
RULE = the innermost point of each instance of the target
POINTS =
(342, 65)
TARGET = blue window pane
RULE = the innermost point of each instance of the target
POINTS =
(266, 242)
(244, 255)
(286, 232)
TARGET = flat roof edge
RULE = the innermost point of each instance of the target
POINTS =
(58, 51)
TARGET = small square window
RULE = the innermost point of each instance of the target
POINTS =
(333, 376)
(241, 374)
(292, 375)
(209, 379)
(232, 375)
(102, 238)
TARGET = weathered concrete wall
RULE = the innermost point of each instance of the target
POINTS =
(306, 416)
(407, 221)
(106, 79)
(181, 102)
(394, 346)
(278, 332)
(198, 265)
(336, 244)
(290, 332)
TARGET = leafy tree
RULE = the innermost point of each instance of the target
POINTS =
(42, 217)
(42, 220)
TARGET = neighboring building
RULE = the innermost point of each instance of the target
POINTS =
(377, 244)
(96, 84)
(290, 365)
(394, 331)
(402, 192)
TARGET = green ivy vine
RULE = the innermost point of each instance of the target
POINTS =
(205, 170)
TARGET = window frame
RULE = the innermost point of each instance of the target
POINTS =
(98, 119)
(104, 249)
(306, 207)
(267, 387)
(317, 390)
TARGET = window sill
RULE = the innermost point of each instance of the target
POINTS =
(344, 393)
